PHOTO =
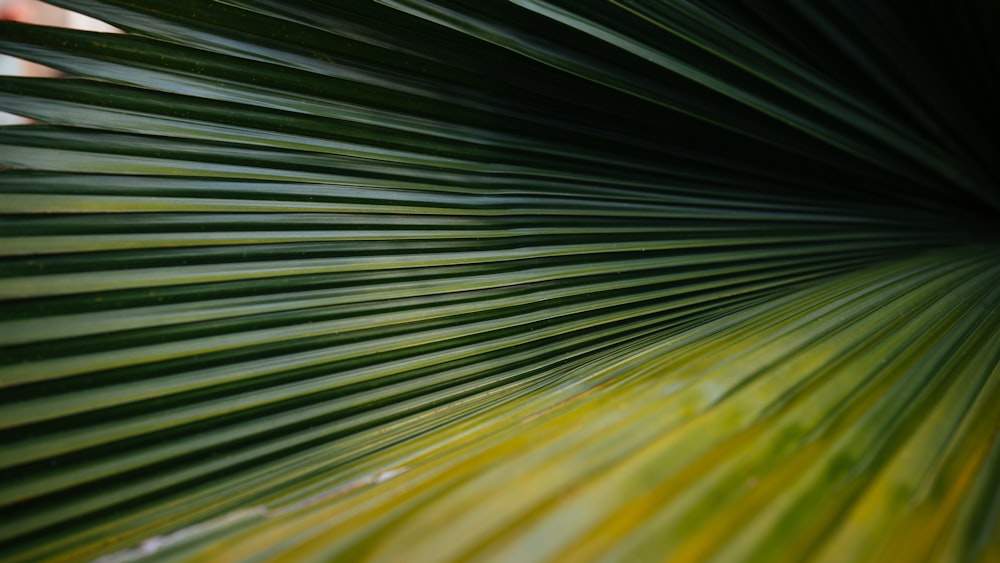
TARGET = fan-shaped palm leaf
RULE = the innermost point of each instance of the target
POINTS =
(529, 280)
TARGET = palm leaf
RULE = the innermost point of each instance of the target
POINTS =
(524, 281)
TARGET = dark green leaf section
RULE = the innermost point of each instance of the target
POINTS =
(522, 281)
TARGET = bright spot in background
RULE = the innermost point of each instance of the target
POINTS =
(33, 11)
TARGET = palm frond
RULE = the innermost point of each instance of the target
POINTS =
(522, 281)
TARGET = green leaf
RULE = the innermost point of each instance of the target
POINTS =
(517, 281)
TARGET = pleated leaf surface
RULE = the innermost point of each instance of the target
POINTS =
(525, 280)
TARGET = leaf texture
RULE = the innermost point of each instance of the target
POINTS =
(409, 280)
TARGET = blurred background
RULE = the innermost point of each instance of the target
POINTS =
(33, 11)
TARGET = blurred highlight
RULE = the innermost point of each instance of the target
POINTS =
(33, 11)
